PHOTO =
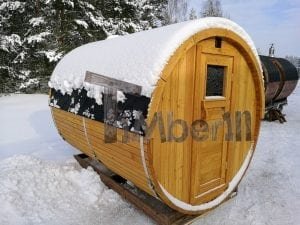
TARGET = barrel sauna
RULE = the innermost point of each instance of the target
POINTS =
(280, 80)
(199, 87)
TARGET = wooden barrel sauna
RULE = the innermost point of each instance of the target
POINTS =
(280, 78)
(199, 87)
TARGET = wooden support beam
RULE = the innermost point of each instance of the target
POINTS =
(97, 79)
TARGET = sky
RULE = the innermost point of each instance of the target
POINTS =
(266, 21)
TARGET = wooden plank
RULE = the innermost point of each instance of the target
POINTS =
(109, 82)
(119, 148)
(188, 115)
(73, 140)
(110, 114)
(124, 171)
(182, 86)
(97, 130)
(121, 171)
(172, 150)
(129, 163)
(165, 159)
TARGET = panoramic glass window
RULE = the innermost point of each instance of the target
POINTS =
(215, 80)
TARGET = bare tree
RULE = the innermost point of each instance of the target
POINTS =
(294, 60)
(212, 8)
(176, 11)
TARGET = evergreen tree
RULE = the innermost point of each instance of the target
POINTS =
(35, 34)
(154, 13)
(75, 22)
(213, 8)
(193, 14)
(10, 41)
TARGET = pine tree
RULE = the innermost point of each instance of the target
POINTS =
(36, 46)
(213, 8)
(12, 13)
(193, 14)
(154, 13)
(75, 23)
(35, 34)
(129, 16)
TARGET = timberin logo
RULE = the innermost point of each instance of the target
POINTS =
(231, 127)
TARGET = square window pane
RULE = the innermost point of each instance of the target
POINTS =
(215, 80)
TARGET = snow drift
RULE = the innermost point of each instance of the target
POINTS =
(33, 191)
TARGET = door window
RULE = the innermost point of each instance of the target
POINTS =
(215, 80)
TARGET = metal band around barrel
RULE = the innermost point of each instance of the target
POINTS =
(87, 138)
(150, 184)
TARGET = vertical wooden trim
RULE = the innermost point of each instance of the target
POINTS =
(110, 113)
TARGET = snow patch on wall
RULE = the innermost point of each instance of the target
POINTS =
(120, 96)
(75, 109)
(54, 103)
(93, 91)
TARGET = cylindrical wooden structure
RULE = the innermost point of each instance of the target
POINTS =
(280, 78)
(202, 96)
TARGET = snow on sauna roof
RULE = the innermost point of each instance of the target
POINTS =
(137, 58)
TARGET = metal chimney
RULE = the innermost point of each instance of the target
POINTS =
(272, 50)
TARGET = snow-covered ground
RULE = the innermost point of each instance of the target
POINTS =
(40, 183)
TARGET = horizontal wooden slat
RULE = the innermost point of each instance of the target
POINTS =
(97, 79)
(74, 141)
(124, 172)
(133, 163)
(119, 148)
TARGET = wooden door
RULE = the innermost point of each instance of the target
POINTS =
(212, 94)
